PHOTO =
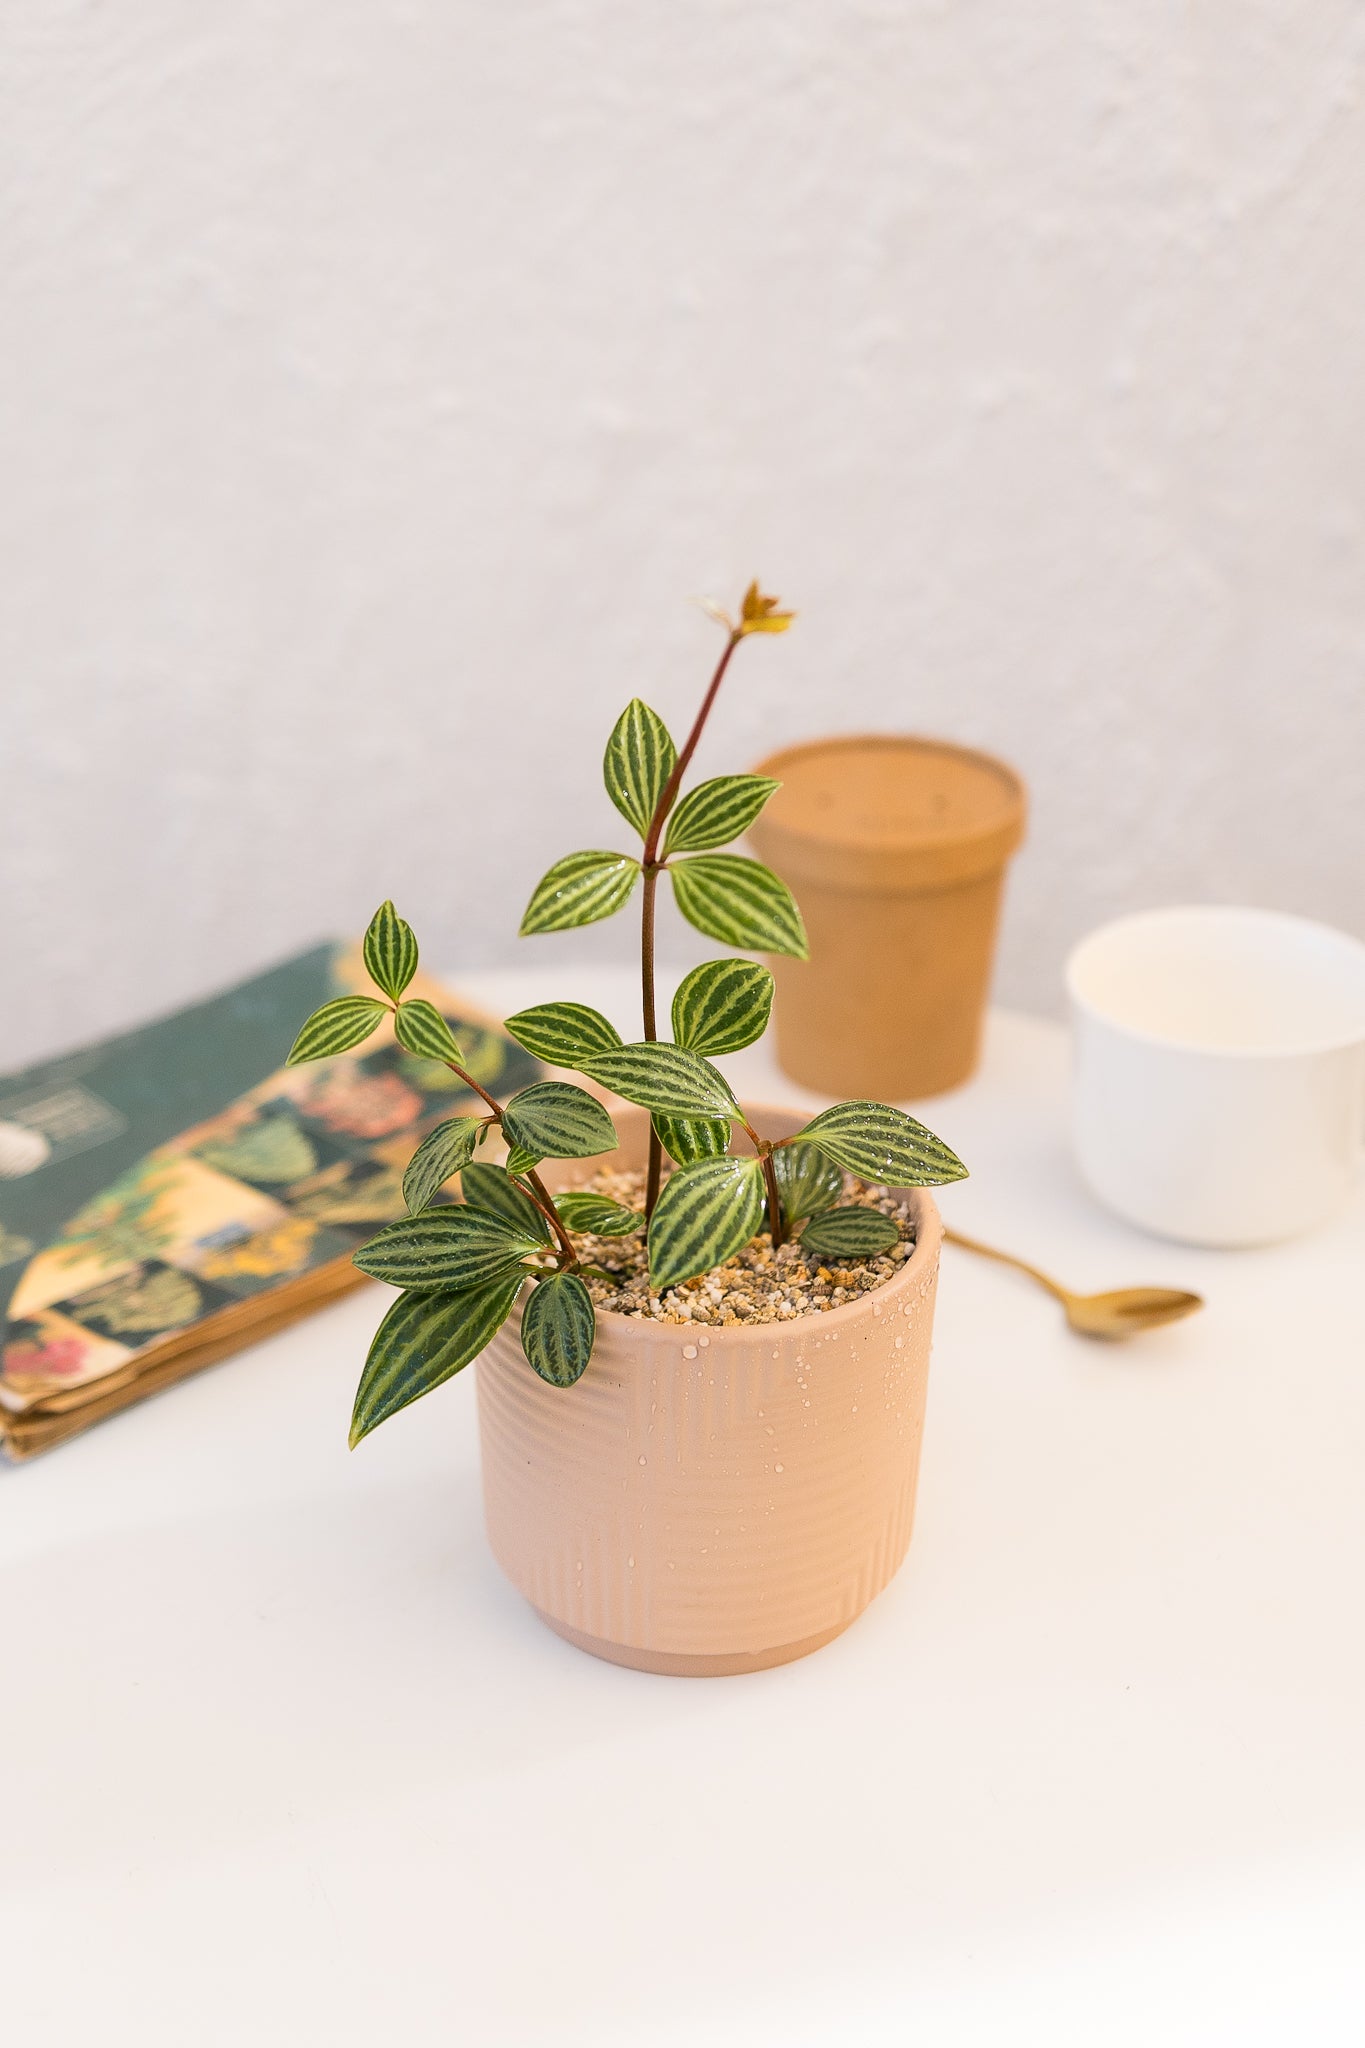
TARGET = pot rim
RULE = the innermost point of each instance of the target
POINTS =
(928, 1240)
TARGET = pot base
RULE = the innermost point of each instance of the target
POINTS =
(666, 1664)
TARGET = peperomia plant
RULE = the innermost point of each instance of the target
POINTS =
(463, 1266)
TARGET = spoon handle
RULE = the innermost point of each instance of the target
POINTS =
(988, 1251)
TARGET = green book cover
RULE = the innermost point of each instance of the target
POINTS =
(172, 1175)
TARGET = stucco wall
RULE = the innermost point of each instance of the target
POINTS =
(379, 380)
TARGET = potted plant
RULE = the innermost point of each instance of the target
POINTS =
(705, 1334)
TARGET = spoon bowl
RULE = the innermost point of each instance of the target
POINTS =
(1127, 1311)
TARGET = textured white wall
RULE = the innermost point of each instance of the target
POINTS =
(379, 379)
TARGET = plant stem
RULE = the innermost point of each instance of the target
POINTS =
(775, 1222)
(652, 868)
(540, 1195)
(537, 1190)
(681, 765)
(654, 1170)
(652, 873)
(471, 1083)
(765, 1148)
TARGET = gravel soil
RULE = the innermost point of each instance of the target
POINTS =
(758, 1285)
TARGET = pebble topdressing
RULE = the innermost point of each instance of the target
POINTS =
(758, 1285)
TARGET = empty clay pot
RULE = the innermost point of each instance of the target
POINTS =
(895, 849)
(708, 1501)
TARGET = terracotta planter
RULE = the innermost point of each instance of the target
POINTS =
(895, 849)
(713, 1501)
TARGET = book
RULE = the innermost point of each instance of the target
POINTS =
(176, 1192)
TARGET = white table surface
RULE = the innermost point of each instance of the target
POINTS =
(287, 1762)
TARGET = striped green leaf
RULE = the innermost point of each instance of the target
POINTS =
(637, 764)
(390, 951)
(563, 1033)
(705, 1214)
(723, 1006)
(849, 1234)
(336, 1027)
(666, 1078)
(716, 812)
(420, 1028)
(453, 1247)
(806, 1181)
(491, 1188)
(424, 1339)
(580, 889)
(689, 1138)
(740, 902)
(558, 1325)
(581, 1210)
(520, 1159)
(555, 1120)
(441, 1153)
(884, 1144)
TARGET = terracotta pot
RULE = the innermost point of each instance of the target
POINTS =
(895, 849)
(712, 1501)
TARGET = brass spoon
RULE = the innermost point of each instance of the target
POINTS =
(1124, 1312)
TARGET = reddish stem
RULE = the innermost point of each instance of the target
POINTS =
(653, 867)
(775, 1222)
(680, 766)
(537, 1191)
(654, 1173)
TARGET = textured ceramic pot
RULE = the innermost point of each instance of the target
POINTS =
(713, 1501)
(895, 848)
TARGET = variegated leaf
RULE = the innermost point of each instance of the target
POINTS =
(704, 1215)
(441, 1153)
(885, 1145)
(558, 1326)
(563, 1033)
(420, 1028)
(337, 1027)
(722, 1006)
(555, 1120)
(492, 1189)
(637, 764)
(424, 1339)
(716, 812)
(806, 1181)
(521, 1159)
(390, 951)
(689, 1138)
(852, 1233)
(580, 889)
(452, 1247)
(666, 1078)
(740, 902)
(580, 1210)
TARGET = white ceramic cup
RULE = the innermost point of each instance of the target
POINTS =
(1218, 1089)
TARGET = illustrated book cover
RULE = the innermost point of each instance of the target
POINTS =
(176, 1192)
